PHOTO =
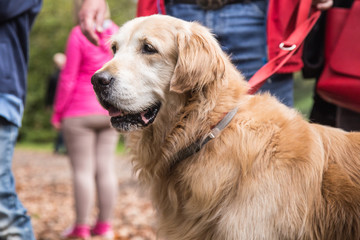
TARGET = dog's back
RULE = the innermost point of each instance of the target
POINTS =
(307, 183)
(339, 215)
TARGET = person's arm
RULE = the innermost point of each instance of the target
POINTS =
(323, 4)
(68, 77)
(91, 16)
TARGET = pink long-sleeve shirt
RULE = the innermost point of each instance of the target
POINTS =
(75, 95)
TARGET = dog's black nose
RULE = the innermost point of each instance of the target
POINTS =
(101, 79)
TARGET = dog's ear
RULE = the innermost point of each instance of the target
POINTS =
(200, 60)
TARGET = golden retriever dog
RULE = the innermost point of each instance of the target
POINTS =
(221, 163)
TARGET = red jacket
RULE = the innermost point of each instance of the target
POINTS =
(280, 16)
(281, 22)
(150, 7)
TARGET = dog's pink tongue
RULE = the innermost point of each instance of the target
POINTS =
(113, 112)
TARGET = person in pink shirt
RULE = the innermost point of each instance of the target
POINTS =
(90, 140)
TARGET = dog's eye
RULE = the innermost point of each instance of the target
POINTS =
(148, 49)
(113, 48)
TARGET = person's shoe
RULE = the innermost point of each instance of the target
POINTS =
(103, 229)
(77, 232)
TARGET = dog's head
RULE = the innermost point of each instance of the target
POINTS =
(155, 57)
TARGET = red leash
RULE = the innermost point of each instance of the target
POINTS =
(288, 47)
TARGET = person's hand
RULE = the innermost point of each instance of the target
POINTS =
(91, 16)
(323, 4)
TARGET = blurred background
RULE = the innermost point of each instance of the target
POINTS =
(49, 36)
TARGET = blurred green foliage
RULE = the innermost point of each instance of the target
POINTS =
(49, 36)
(303, 94)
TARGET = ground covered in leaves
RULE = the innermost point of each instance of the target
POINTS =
(43, 182)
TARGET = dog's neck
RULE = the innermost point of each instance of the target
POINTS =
(197, 145)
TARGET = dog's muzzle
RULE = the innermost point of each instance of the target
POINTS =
(121, 119)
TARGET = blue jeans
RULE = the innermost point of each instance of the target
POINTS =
(15, 224)
(240, 28)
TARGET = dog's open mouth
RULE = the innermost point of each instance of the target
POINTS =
(129, 121)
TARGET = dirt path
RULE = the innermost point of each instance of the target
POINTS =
(43, 182)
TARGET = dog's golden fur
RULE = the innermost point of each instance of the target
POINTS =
(269, 175)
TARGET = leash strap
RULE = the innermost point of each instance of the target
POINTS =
(287, 49)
